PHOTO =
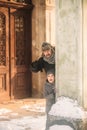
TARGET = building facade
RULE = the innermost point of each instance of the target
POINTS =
(24, 25)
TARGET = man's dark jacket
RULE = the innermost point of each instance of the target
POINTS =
(41, 64)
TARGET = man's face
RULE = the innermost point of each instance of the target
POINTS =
(50, 78)
(47, 53)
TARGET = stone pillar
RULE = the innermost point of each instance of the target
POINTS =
(85, 53)
(69, 48)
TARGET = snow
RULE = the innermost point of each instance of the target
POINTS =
(66, 107)
(25, 123)
(60, 127)
(4, 110)
(34, 108)
(10, 120)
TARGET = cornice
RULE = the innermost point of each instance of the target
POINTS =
(15, 5)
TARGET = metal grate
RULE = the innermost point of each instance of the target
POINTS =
(2, 40)
(20, 45)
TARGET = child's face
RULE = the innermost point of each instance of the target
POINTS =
(50, 78)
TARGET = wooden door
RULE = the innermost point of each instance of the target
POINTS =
(4, 54)
(20, 29)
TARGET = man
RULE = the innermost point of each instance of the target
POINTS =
(46, 61)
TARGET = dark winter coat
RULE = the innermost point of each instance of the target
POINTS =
(49, 88)
(49, 93)
(41, 64)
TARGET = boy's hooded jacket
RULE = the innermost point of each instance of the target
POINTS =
(49, 89)
(49, 93)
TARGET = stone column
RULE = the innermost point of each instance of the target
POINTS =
(69, 48)
(85, 53)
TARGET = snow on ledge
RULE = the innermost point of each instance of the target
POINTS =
(60, 127)
(66, 107)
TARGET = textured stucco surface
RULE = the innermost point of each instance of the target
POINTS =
(69, 48)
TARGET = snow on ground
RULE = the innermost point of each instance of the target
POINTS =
(25, 123)
(34, 108)
(4, 110)
(64, 107)
(11, 120)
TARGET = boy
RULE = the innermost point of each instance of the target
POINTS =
(49, 92)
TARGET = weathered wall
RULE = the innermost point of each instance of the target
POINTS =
(50, 21)
(69, 48)
(38, 36)
(85, 53)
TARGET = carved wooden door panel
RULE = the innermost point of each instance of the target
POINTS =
(4, 54)
(20, 53)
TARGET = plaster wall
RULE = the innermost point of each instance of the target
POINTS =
(69, 48)
(85, 53)
(50, 21)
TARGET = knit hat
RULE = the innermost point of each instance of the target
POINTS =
(46, 46)
(52, 71)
